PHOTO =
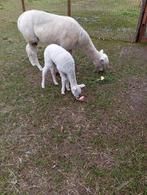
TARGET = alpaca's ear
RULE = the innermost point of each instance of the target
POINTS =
(82, 85)
(102, 51)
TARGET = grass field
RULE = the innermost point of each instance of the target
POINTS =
(53, 145)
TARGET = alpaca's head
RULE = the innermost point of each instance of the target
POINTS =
(76, 90)
(103, 62)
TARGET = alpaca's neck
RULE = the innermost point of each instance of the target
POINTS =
(72, 79)
(89, 49)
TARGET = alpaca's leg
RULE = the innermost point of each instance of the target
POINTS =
(31, 50)
(52, 69)
(67, 85)
(44, 72)
(63, 81)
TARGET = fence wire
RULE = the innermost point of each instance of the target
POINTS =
(104, 19)
(108, 19)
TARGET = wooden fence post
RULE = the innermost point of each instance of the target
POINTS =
(23, 5)
(69, 7)
(141, 27)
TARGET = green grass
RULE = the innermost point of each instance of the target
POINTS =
(50, 144)
(111, 19)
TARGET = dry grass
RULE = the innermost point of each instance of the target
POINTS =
(51, 144)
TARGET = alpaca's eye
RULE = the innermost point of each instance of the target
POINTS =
(102, 61)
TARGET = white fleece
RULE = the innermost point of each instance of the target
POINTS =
(56, 55)
(39, 26)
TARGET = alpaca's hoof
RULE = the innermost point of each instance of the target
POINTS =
(43, 86)
(40, 68)
(68, 89)
(56, 83)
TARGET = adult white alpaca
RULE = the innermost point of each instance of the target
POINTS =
(56, 55)
(39, 26)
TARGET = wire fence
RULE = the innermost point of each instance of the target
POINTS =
(109, 19)
(103, 19)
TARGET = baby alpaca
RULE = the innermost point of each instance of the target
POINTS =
(55, 54)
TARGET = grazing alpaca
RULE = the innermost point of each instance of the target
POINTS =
(55, 54)
(39, 26)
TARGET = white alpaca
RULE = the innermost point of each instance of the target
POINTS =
(56, 55)
(39, 26)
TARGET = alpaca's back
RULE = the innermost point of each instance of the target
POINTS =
(49, 28)
(59, 56)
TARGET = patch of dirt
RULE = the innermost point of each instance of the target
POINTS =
(135, 98)
(139, 52)
(74, 116)
(5, 108)
(32, 181)
(102, 159)
(33, 75)
(74, 186)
